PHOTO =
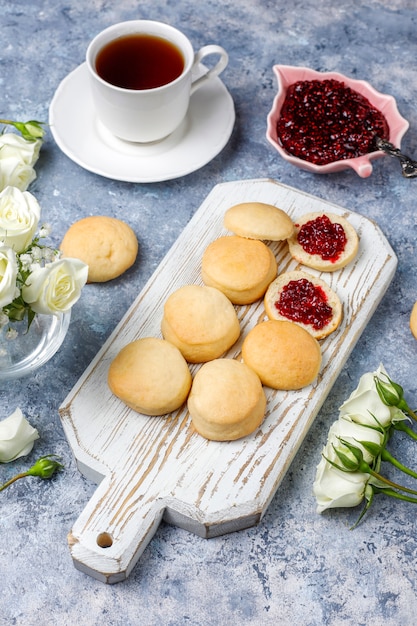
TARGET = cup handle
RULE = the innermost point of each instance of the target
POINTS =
(214, 71)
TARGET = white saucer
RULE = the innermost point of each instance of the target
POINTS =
(203, 134)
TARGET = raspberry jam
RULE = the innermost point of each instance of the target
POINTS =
(301, 301)
(324, 121)
(323, 237)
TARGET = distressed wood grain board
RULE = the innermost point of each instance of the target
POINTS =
(150, 468)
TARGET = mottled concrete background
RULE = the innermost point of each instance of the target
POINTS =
(296, 567)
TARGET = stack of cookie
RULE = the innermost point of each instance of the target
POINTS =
(200, 323)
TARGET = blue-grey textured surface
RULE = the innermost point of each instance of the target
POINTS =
(296, 566)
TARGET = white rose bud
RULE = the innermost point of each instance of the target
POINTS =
(364, 406)
(334, 488)
(55, 288)
(16, 437)
(16, 173)
(8, 273)
(19, 217)
(353, 433)
(13, 145)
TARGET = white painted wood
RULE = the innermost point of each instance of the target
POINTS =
(157, 467)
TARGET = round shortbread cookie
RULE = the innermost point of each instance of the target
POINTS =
(283, 355)
(106, 244)
(241, 268)
(227, 400)
(151, 376)
(306, 300)
(323, 241)
(258, 220)
(413, 320)
(201, 321)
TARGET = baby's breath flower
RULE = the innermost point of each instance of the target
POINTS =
(45, 230)
(49, 254)
(11, 334)
(34, 266)
(25, 260)
(36, 253)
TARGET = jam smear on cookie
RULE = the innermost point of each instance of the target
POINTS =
(323, 237)
(302, 301)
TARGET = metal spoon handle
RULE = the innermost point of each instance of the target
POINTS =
(408, 166)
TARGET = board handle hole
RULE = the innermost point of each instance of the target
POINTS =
(104, 540)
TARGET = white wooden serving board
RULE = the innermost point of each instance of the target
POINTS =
(154, 468)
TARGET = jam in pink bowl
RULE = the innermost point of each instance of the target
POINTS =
(385, 104)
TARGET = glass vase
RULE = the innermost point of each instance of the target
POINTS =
(30, 349)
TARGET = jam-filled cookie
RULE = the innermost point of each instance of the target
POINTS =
(306, 300)
(323, 241)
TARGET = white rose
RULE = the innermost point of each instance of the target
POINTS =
(56, 287)
(14, 172)
(8, 273)
(353, 433)
(364, 405)
(13, 145)
(19, 217)
(16, 437)
(334, 488)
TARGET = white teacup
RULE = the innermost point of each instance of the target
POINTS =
(148, 114)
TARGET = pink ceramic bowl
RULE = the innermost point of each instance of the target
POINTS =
(287, 75)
